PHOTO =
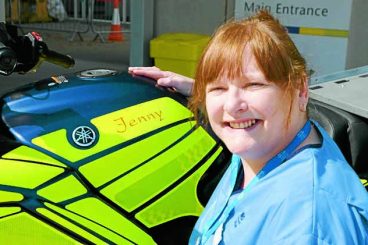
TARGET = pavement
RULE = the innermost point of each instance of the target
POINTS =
(88, 53)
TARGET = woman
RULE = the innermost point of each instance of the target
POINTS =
(288, 183)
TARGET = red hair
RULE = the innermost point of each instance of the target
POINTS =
(274, 51)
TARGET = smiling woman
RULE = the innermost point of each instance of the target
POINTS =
(288, 182)
(257, 104)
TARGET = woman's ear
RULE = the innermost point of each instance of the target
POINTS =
(303, 94)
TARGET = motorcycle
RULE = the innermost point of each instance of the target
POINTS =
(99, 156)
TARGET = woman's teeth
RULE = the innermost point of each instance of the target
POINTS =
(243, 124)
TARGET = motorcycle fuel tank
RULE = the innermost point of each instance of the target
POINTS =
(103, 157)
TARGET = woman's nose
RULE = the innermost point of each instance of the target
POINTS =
(235, 102)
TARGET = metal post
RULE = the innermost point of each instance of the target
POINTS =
(123, 11)
(141, 31)
(2, 10)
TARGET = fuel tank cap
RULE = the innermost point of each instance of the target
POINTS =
(97, 73)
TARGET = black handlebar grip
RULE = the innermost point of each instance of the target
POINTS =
(65, 61)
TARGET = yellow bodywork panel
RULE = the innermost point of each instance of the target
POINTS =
(106, 168)
(118, 127)
(4, 211)
(83, 225)
(23, 228)
(142, 184)
(179, 202)
(26, 174)
(62, 190)
(364, 182)
(109, 218)
(28, 154)
(8, 196)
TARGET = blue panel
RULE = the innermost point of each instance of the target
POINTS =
(293, 29)
(46, 106)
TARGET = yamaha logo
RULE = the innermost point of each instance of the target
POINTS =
(84, 136)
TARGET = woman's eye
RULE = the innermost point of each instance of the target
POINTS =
(215, 89)
(254, 85)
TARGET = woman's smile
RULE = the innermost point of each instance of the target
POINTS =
(244, 124)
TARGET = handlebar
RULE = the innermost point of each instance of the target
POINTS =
(56, 58)
(25, 53)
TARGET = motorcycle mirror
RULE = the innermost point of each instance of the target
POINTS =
(8, 60)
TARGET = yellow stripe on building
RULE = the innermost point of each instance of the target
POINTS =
(323, 32)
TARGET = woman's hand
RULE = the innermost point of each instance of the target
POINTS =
(179, 83)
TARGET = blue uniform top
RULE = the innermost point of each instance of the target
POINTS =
(314, 197)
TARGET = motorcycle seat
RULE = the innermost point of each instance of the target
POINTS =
(349, 131)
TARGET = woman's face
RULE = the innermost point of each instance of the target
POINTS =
(249, 114)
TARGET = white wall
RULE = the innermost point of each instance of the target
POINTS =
(358, 45)
(197, 16)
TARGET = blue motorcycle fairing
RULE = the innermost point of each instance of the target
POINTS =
(46, 106)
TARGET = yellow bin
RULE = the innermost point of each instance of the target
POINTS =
(178, 52)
